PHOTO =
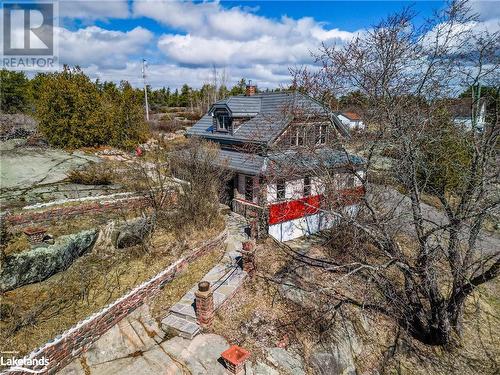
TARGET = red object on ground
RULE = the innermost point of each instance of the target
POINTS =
(138, 151)
(235, 355)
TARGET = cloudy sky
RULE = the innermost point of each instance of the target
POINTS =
(183, 40)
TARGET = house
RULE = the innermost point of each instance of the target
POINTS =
(275, 144)
(351, 119)
(465, 112)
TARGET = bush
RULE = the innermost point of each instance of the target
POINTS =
(169, 126)
(14, 91)
(75, 112)
(94, 174)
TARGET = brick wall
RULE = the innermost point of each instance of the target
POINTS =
(66, 347)
(61, 213)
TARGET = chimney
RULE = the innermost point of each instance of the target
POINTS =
(250, 89)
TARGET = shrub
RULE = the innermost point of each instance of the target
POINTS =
(75, 112)
(94, 174)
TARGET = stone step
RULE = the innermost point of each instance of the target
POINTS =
(181, 326)
(224, 285)
(225, 278)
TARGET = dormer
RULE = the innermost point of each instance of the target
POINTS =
(222, 118)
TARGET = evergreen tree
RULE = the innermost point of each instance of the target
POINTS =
(14, 92)
(75, 112)
(185, 96)
(240, 88)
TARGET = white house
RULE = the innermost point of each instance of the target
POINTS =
(351, 120)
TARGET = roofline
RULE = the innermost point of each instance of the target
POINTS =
(345, 114)
(232, 140)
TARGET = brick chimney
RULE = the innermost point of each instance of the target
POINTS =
(250, 89)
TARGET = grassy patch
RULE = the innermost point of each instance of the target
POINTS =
(33, 314)
(92, 174)
(17, 243)
(258, 317)
(257, 306)
(174, 291)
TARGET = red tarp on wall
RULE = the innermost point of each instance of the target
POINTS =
(284, 211)
(290, 210)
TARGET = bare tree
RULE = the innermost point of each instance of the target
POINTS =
(406, 74)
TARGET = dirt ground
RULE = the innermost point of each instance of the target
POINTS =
(261, 316)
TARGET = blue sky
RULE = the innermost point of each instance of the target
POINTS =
(182, 41)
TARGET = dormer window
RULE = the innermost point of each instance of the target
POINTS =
(223, 122)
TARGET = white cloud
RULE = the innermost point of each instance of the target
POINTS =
(174, 76)
(212, 20)
(93, 9)
(195, 50)
(101, 47)
(487, 10)
(235, 36)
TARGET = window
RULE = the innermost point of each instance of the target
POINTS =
(280, 190)
(351, 182)
(223, 122)
(307, 186)
(300, 137)
(249, 188)
(293, 137)
(297, 136)
(321, 135)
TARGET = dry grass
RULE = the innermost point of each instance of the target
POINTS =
(178, 287)
(477, 353)
(17, 243)
(280, 319)
(92, 174)
(33, 314)
(256, 307)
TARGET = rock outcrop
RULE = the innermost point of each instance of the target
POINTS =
(338, 352)
(337, 355)
(132, 233)
(38, 264)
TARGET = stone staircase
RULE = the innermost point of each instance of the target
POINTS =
(225, 279)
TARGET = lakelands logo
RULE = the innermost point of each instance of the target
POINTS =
(24, 364)
(29, 41)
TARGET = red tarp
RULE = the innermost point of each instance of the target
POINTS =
(290, 210)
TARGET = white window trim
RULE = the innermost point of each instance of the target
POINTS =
(218, 119)
(320, 135)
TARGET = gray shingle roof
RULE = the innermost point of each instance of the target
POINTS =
(312, 160)
(254, 164)
(270, 114)
(241, 162)
(241, 105)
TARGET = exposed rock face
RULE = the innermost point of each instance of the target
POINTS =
(136, 345)
(132, 233)
(39, 264)
(337, 356)
(283, 359)
(260, 368)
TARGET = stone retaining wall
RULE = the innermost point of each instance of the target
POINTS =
(66, 347)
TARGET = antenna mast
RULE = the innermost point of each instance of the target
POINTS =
(145, 87)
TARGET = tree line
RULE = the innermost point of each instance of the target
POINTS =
(74, 111)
